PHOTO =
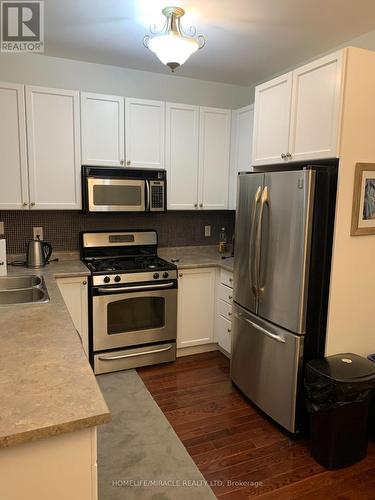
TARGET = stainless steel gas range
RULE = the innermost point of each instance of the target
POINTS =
(132, 300)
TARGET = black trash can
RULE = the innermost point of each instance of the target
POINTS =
(338, 392)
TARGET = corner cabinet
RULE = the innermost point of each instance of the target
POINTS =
(102, 119)
(241, 148)
(196, 306)
(182, 140)
(144, 133)
(197, 157)
(214, 144)
(14, 185)
(297, 115)
(54, 153)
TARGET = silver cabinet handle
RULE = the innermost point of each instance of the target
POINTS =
(121, 162)
(134, 354)
(32, 204)
(201, 205)
(128, 162)
(273, 336)
(84, 283)
(180, 275)
(137, 287)
(230, 297)
(283, 156)
(24, 204)
(195, 205)
(229, 313)
(229, 330)
(288, 155)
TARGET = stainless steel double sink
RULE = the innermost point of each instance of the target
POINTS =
(23, 289)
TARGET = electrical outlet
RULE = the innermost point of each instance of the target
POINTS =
(37, 233)
(2, 230)
(207, 231)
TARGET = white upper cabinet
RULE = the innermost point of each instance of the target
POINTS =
(14, 193)
(272, 119)
(214, 140)
(102, 119)
(144, 133)
(297, 115)
(182, 136)
(241, 148)
(315, 109)
(54, 155)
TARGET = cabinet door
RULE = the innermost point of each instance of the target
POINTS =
(214, 139)
(317, 91)
(182, 135)
(74, 292)
(145, 133)
(53, 140)
(196, 294)
(223, 333)
(271, 120)
(14, 191)
(102, 118)
(241, 148)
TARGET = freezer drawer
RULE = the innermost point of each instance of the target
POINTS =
(266, 365)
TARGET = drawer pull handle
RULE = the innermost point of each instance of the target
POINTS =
(229, 313)
(230, 297)
(230, 280)
(229, 330)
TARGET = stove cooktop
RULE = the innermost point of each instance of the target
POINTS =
(128, 264)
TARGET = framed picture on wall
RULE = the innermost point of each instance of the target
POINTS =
(363, 212)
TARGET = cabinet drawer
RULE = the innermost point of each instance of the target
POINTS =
(224, 309)
(224, 333)
(225, 293)
(226, 278)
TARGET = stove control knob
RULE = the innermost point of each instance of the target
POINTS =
(107, 279)
(156, 276)
(117, 278)
(165, 275)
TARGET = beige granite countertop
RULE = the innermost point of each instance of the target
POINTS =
(47, 386)
(192, 257)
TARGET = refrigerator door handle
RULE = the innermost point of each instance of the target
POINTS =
(253, 240)
(263, 330)
(263, 202)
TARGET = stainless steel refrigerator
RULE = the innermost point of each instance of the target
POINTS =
(283, 240)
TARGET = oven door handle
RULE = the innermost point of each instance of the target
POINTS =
(122, 356)
(137, 287)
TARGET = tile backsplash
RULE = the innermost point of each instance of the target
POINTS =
(62, 227)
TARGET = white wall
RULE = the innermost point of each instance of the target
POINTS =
(351, 326)
(37, 69)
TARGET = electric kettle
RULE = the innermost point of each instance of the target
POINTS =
(38, 253)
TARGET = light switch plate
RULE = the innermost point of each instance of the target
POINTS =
(207, 231)
(37, 232)
(2, 230)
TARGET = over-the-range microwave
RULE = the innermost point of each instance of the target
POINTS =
(121, 189)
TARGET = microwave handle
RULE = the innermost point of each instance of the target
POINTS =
(148, 195)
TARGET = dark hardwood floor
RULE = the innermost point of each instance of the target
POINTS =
(237, 449)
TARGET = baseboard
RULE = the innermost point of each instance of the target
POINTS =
(196, 349)
(223, 351)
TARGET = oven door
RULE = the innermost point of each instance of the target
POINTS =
(116, 195)
(129, 317)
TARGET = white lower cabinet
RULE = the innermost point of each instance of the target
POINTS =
(223, 314)
(62, 467)
(74, 292)
(196, 305)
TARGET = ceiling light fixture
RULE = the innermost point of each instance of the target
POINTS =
(172, 45)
